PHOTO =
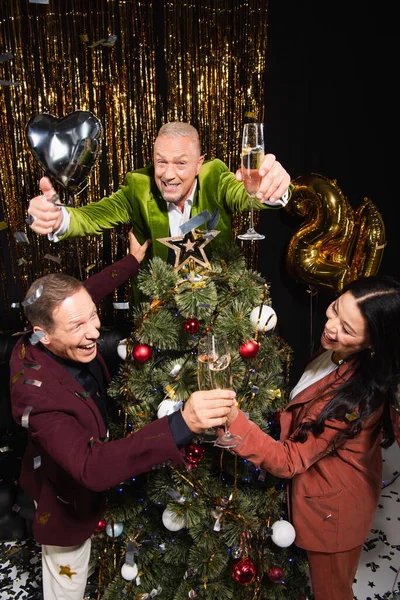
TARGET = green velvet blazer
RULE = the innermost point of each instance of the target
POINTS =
(139, 202)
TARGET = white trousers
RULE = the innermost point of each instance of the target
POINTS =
(65, 571)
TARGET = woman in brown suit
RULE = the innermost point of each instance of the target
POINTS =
(333, 431)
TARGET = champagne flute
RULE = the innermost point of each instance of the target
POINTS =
(219, 363)
(204, 381)
(251, 158)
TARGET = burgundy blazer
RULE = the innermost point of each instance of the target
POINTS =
(333, 495)
(67, 464)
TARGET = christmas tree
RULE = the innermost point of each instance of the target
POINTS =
(215, 528)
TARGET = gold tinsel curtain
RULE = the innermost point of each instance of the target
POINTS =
(135, 65)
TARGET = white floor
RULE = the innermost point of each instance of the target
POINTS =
(378, 574)
(377, 578)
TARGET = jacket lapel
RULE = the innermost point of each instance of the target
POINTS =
(309, 394)
(159, 224)
(54, 371)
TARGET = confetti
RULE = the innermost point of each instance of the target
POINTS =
(175, 370)
(9, 83)
(121, 305)
(20, 237)
(130, 553)
(34, 297)
(195, 221)
(32, 366)
(6, 56)
(16, 377)
(110, 41)
(53, 258)
(36, 337)
(35, 382)
(66, 569)
(176, 496)
(25, 417)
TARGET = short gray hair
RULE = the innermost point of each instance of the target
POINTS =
(180, 129)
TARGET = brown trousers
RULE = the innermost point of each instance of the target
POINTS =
(332, 575)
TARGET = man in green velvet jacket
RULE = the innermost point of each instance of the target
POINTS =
(157, 199)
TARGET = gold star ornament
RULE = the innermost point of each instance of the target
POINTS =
(190, 247)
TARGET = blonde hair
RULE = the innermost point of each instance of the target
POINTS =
(179, 129)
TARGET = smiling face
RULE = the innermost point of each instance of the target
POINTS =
(75, 328)
(177, 162)
(345, 330)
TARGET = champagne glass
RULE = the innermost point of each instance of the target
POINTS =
(251, 159)
(204, 381)
(219, 364)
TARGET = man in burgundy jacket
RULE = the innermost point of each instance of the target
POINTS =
(58, 392)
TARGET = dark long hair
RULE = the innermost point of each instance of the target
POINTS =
(375, 379)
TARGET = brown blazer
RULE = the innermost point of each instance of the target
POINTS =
(67, 464)
(332, 495)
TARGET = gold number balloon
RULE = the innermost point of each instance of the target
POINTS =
(334, 244)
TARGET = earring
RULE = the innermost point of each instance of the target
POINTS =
(372, 353)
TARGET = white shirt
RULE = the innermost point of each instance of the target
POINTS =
(316, 370)
(175, 215)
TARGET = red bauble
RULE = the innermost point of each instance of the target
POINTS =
(275, 574)
(244, 571)
(194, 453)
(142, 353)
(249, 349)
(191, 325)
(101, 525)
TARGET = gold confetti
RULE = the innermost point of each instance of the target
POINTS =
(16, 377)
(66, 570)
(352, 416)
(44, 517)
(170, 391)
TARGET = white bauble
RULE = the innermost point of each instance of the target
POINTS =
(114, 531)
(167, 407)
(267, 315)
(129, 572)
(172, 521)
(283, 533)
(121, 349)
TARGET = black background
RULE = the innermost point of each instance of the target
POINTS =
(328, 93)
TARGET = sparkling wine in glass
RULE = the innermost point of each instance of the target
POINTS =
(251, 159)
(204, 381)
(219, 364)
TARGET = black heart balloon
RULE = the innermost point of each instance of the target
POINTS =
(66, 148)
